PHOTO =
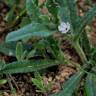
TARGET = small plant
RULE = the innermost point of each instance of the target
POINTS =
(64, 19)
(43, 87)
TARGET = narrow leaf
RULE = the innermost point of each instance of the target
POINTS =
(70, 86)
(72, 5)
(3, 81)
(90, 85)
(63, 11)
(31, 53)
(19, 51)
(2, 63)
(27, 66)
(85, 44)
(52, 7)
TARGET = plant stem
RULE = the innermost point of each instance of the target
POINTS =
(80, 52)
(9, 81)
(13, 82)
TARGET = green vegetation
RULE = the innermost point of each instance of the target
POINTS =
(63, 18)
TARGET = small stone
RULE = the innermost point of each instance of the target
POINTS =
(50, 79)
(56, 87)
(57, 77)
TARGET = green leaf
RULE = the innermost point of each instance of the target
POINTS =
(2, 63)
(25, 21)
(86, 20)
(85, 44)
(54, 47)
(61, 13)
(31, 53)
(52, 7)
(93, 54)
(90, 85)
(3, 81)
(8, 48)
(10, 16)
(72, 5)
(70, 86)
(34, 29)
(61, 3)
(36, 2)
(38, 82)
(27, 66)
(32, 9)
(12, 2)
(19, 51)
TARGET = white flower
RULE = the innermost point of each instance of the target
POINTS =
(64, 27)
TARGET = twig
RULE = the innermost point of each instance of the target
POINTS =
(14, 82)
(9, 81)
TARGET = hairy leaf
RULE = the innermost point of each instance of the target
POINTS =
(34, 29)
(27, 66)
(72, 5)
(90, 85)
(19, 51)
(70, 86)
